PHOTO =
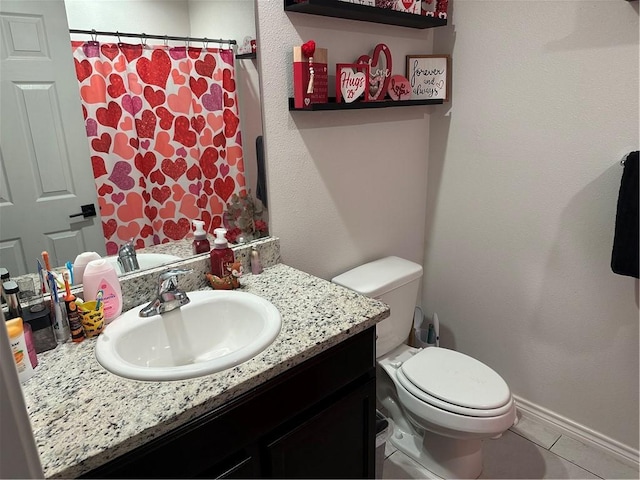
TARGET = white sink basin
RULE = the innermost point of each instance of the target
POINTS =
(145, 260)
(217, 330)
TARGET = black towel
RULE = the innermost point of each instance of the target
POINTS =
(624, 257)
(261, 185)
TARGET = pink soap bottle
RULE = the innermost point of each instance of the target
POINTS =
(221, 255)
(101, 275)
(201, 242)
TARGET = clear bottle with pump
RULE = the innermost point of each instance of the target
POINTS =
(201, 242)
(221, 255)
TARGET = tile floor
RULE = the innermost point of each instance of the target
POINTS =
(528, 450)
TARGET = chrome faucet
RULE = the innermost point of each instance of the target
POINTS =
(127, 257)
(169, 295)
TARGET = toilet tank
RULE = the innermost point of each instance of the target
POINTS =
(394, 281)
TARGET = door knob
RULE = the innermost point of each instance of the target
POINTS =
(88, 210)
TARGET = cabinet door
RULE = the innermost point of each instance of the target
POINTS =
(337, 442)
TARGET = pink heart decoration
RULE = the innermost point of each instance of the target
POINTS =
(224, 170)
(132, 104)
(145, 144)
(181, 152)
(91, 49)
(195, 188)
(213, 101)
(178, 53)
(117, 198)
(120, 176)
(92, 127)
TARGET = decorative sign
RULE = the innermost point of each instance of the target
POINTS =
(399, 88)
(379, 71)
(428, 76)
(304, 92)
(351, 82)
(435, 8)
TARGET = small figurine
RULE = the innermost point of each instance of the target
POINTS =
(228, 282)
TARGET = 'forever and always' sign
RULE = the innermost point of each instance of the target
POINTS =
(428, 76)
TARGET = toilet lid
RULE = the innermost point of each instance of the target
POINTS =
(456, 378)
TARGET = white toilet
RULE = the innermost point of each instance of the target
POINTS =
(442, 402)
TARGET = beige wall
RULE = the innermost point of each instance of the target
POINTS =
(519, 201)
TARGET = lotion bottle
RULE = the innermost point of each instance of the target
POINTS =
(201, 242)
(101, 275)
(221, 255)
(15, 329)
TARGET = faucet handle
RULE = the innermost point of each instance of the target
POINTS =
(168, 280)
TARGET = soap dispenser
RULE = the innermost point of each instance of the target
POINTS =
(221, 255)
(201, 242)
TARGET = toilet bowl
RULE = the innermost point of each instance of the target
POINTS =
(443, 403)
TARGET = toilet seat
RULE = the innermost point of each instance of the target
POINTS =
(455, 382)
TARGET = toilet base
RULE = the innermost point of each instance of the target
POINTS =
(444, 456)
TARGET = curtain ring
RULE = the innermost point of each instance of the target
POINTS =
(205, 42)
(118, 35)
(94, 36)
(143, 40)
(187, 43)
(166, 41)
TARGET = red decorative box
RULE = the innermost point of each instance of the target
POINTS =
(320, 93)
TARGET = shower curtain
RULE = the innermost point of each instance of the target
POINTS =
(164, 134)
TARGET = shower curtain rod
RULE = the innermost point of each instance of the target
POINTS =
(144, 36)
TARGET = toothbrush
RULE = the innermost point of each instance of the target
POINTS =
(69, 266)
(60, 327)
(99, 299)
(41, 276)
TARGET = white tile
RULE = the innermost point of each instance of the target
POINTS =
(513, 456)
(538, 433)
(399, 466)
(592, 459)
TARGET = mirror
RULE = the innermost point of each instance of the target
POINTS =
(233, 19)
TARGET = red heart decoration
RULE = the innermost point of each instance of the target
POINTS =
(150, 212)
(194, 172)
(228, 101)
(147, 196)
(201, 202)
(166, 118)
(109, 228)
(134, 142)
(105, 190)
(157, 177)
(116, 87)
(139, 244)
(231, 122)
(207, 163)
(174, 169)
(198, 87)
(407, 4)
(154, 97)
(194, 52)
(206, 66)
(84, 112)
(182, 133)
(146, 127)
(220, 140)
(146, 231)
(176, 231)
(228, 83)
(208, 189)
(161, 194)
(142, 182)
(102, 144)
(198, 123)
(98, 166)
(110, 116)
(155, 71)
(145, 163)
(109, 50)
(379, 75)
(132, 52)
(83, 69)
(224, 188)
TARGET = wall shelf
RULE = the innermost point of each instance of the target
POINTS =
(243, 56)
(332, 105)
(365, 13)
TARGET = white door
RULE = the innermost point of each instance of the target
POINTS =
(45, 174)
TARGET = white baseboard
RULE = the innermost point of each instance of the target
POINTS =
(629, 456)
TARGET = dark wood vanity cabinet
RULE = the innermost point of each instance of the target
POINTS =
(316, 420)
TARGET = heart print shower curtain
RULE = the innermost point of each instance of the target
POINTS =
(164, 134)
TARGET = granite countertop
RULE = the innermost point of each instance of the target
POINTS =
(83, 416)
